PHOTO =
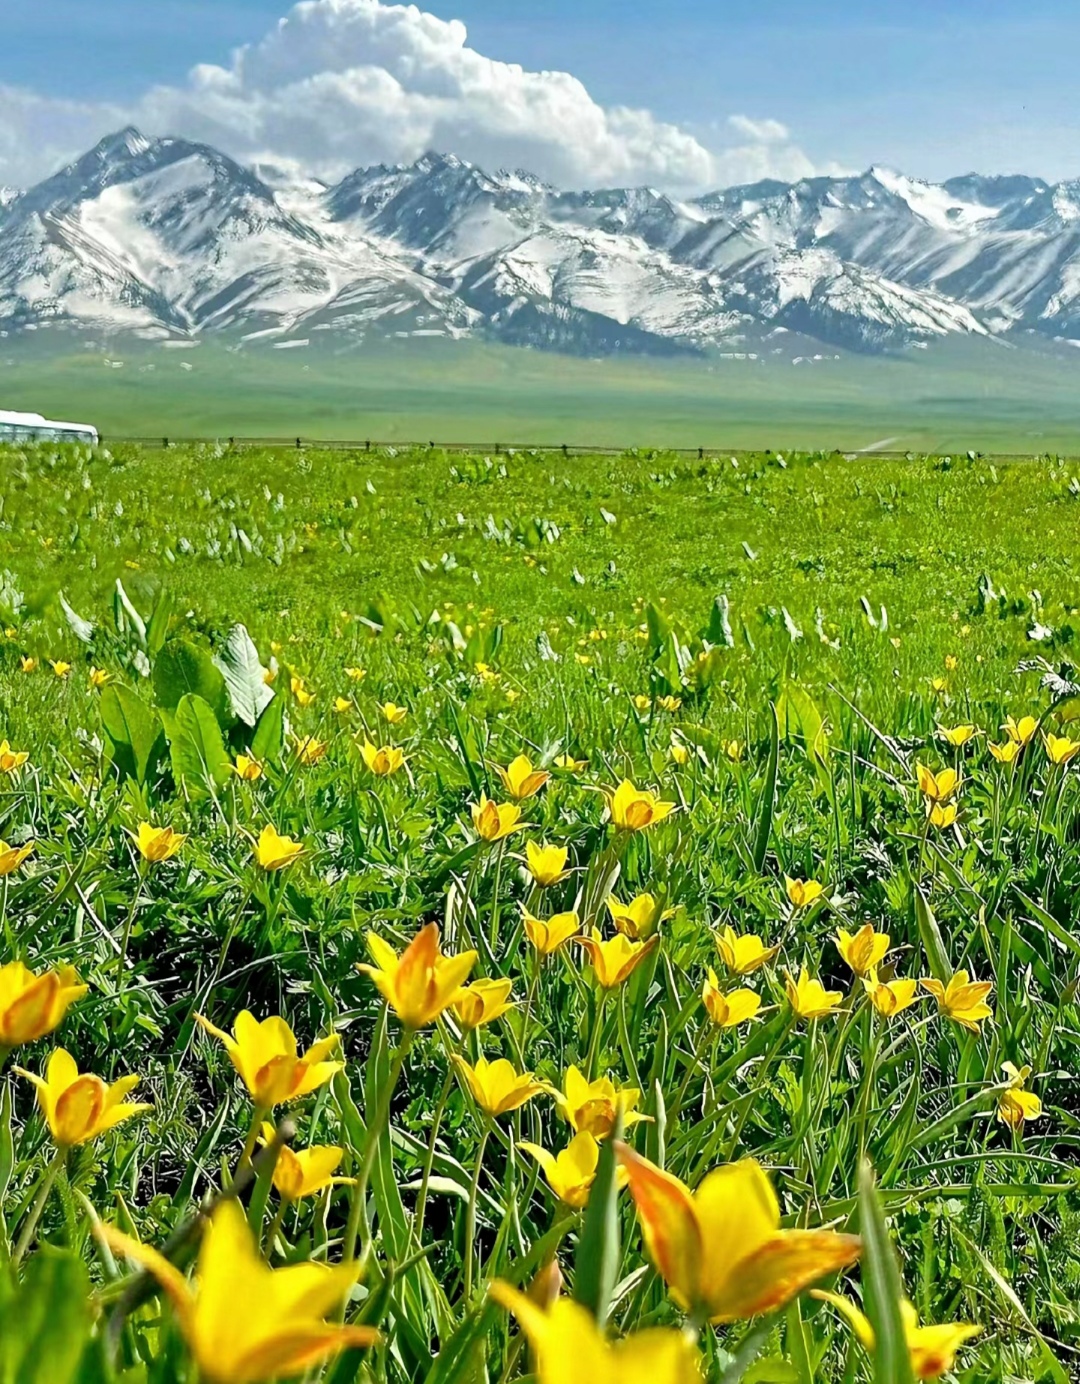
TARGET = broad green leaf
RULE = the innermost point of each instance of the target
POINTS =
(45, 1323)
(882, 1287)
(199, 758)
(182, 668)
(269, 734)
(930, 936)
(244, 676)
(133, 730)
(599, 1250)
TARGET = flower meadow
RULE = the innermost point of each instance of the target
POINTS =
(426, 990)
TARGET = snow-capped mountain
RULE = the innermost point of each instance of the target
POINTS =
(172, 239)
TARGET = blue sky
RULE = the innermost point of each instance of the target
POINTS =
(932, 88)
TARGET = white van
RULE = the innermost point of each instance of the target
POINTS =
(31, 427)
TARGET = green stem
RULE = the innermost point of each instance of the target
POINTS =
(121, 960)
(274, 1230)
(759, 1082)
(429, 1157)
(470, 1213)
(708, 1032)
(594, 1040)
(258, 1114)
(376, 1125)
(9, 936)
(495, 897)
(48, 1177)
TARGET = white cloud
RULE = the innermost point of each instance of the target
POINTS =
(337, 84)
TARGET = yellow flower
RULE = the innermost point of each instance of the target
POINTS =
(962, 1000)
(32, 1006)
(157, 843)
(639, 918)
(862, 950)
(1017, 1105)
(482, 1001)
(633, 809)
(614, 960)
(309, 750)
(548, 934)
(590, 1106)
(270, 676)
(938, 788)
(356, 674)
(496, 1087)
(1006, 753)
(743, 955)
(393, 715)
(98, 677)
(303, 1172)
(1060, 749)
(669, 703)
(567, 764)
(264, 1055)
(247, 768)
(734, 750)
(809, 998)
(304, 698)
(520, 779)
(493, 821)
(569, 1347)
(729, 1010)
(11, 857)
(680, 754)
(642, 702)
(802, 892)
(11, 761)
(1021, 731)
(274, 851)
(27, 664)
(889, 997)
(244, 1322)
(384, 761)
(957, 735)
(721, 1250)
(546, 864)
(421, 982)
(342, 705)
(932, 1348)
(59, 667)
(942, 815)
(571, 1173)
(79, 1108)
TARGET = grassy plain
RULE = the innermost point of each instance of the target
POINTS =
(774, 646)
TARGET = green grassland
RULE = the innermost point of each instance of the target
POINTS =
(773, 645)
(955, 395)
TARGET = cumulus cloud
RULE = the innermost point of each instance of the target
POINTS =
(341, 83)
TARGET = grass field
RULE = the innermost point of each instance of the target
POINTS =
(953, 396)
(827, 924)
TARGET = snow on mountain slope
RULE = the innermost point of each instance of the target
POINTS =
(166, 237)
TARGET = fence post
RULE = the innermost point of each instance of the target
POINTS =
(297, 444)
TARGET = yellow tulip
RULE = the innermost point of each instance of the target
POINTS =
(721, 1250)
(247, 768)
(1017, 1105)
(863, 950)
(803, 892)
(639, 918)
(889, 997)
(1007, 752)
(496, 1087)
(309, 750)
(809, 998)
(11, 761)
(1020, 731)
(59, 667)
(567, 764)
(680, 754)
(571, 1173)
(546, 864)
(356, 674)
(669, 703)
(743, 955)
(342, 705)
(274, 851)
(493, 821)
(481, 1002)
(732, 1009)
(548, 934)
(932, 1349)
(569, 1347)
(11, 857)
(98, 677)
(642, 702)
(520, 779)
(27, 664)
(590, 1107)
(734, 750)
(1060, 749)
(244, 1322)
(962, 1000)
(393, 715)
(420, 983)
(265, 1058)
(304, 1172)
(614, 960)
(942, 815)
(156, 844)
(79, 1108)
(32, 1006)
(384, 761)
(940, 787)
(635, 809)
(304, 698)
(957, 736)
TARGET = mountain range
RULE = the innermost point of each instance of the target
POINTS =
(174, 240)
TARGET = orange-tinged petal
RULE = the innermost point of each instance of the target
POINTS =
(668, 1222)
